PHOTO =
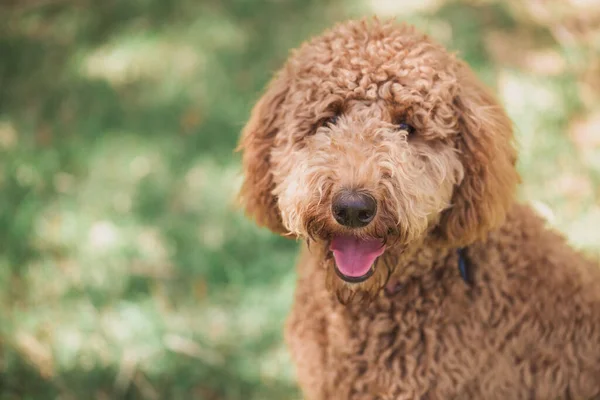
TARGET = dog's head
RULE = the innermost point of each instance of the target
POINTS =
(373, 139)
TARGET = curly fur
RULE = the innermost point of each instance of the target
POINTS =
(529, 326)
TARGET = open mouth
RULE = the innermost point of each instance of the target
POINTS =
(355, 258)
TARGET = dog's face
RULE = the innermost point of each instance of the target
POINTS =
(373, 139)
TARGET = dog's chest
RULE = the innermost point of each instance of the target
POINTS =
(417, 343)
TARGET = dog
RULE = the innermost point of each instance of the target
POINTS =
(420, 275)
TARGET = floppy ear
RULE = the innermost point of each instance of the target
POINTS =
(256, 143)
(485, 144)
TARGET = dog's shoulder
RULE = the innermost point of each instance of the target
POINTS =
(538, 301)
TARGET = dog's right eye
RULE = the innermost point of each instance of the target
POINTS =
(330, 119)
(403, 126)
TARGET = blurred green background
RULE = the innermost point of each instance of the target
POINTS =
(125, 269)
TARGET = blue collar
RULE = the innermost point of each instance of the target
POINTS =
(463, 266)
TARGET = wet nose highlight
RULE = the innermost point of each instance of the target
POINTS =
(353, 209)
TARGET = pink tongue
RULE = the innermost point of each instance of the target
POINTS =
(354, 257)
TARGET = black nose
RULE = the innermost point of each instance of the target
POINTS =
(353, 209)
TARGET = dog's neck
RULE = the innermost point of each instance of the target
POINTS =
(428, 263)
(418, 260)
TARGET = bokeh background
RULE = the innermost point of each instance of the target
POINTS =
(126, 272)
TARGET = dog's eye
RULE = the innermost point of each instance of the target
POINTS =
(326, 122)
(403, 126)
(330, 120)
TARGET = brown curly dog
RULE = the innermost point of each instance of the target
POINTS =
(421, 278)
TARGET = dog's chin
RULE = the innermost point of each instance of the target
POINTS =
(356, 289)
(355, 279)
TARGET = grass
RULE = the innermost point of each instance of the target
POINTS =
(125, 270)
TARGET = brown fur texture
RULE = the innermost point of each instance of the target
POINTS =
(335, 118)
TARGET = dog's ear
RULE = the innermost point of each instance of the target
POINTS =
(485, 144)
(256, 143)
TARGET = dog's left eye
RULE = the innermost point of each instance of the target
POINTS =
(403, 126)
(331, 120)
